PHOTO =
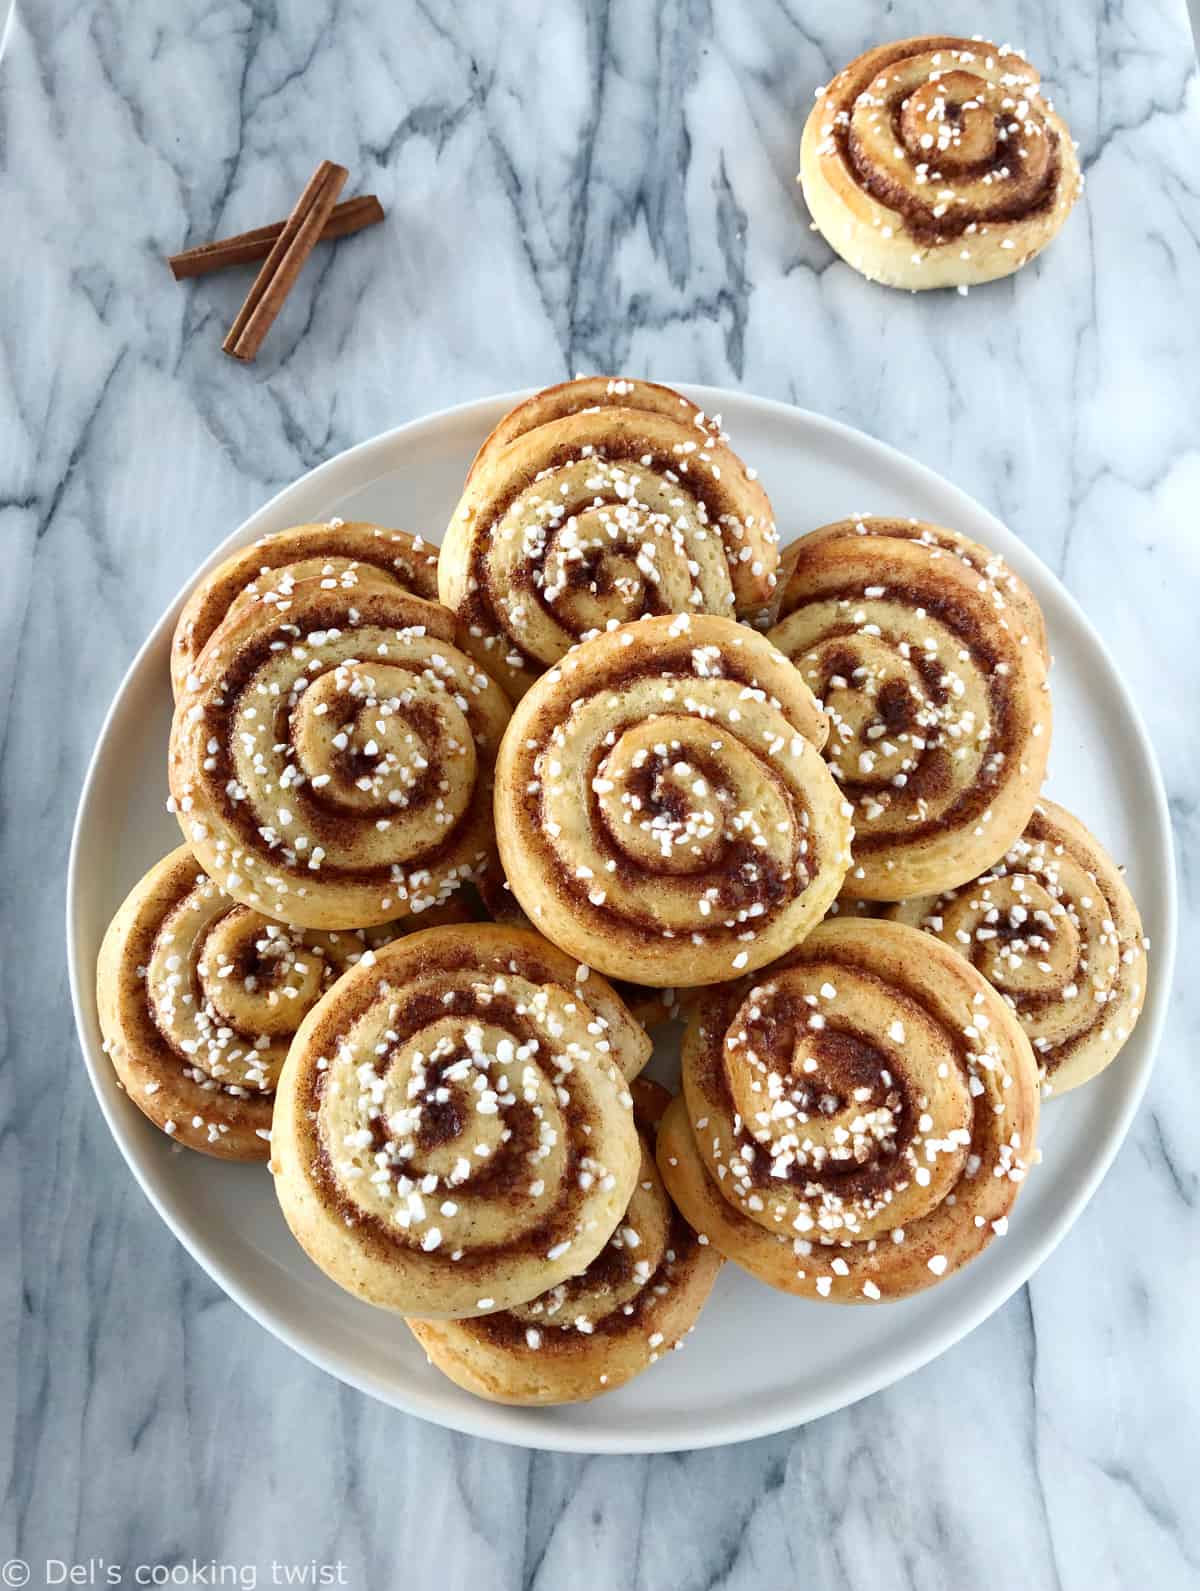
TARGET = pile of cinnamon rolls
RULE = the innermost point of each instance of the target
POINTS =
(460, 824)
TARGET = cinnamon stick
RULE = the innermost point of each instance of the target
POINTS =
(243, 248)
(286, 260)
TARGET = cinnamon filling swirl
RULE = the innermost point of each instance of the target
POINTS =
(333, 763)
(859, 1117)
(660, 786)
(462, 1128)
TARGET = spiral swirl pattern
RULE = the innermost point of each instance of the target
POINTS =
(332, 764)
(1054, 928)
(662, 808)
(199, 999)
(343, 551)
(595, 504)
(857, 1121)
(453, 1129)
(935, 687)
(936, 162)
(636, 1301)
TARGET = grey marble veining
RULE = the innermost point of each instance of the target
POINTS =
(568, 186)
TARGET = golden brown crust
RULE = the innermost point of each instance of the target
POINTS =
(637, 1300)
(858, 1121)
(403, 560)
(595, 503)
(662, 809)
(935, 162)
(453, 1131)
(587, 393)
(331, 761)
(933, 674)
(199, 998)
(1052, 926)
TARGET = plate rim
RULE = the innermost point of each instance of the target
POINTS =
(515, 1425)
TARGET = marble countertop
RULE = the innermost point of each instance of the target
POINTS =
(569, 187)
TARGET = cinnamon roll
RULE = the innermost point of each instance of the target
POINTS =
(199, 998)
(595, 503)
(662, 809)
(930, 663)
(453, 1128)
(341, 551)
(855, 1124)
(936, 162)
(1053, 927)
(636, 1301)
(331, 761)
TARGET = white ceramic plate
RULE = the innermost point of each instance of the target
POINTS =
(1102, 767)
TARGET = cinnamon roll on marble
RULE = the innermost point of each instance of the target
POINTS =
(937, 162)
